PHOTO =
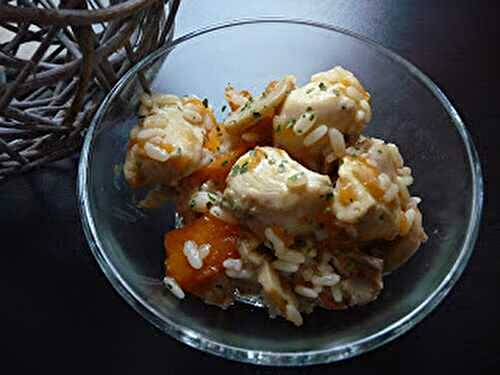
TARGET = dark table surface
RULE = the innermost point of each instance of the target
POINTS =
(60, 315)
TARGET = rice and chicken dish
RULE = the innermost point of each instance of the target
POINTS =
(284, 199)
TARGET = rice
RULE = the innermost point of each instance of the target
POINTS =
(346, 102)
(410, 216)
(390, 193)
(364, 105)
(315, 135)
(277, 243)
(192, 254)
(404, 171)
(330, 158)
(337, 142)
(325, 268)
(165, 99)
(243, 274)
(173, 287)
(223, 215)
(284, 266)
(293, 315)
(232, 264)
(150, 133)
(191, 115)
(353, 93)
(155, 152)
(326, 280)
(304, 291)
(307, 274)
(360, 115)
(337, 293)
(291, 256)
(383, 181)
(304, 124)
(204, 250)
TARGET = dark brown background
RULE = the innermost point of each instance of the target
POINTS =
(59, 314)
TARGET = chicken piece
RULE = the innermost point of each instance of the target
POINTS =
(371, 199)
(267, 188)
(277, 296)
(318, 119)
(257, 109)
(168, 144)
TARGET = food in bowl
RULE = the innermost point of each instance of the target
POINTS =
(284, 199)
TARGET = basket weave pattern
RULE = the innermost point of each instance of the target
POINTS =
(79, 49)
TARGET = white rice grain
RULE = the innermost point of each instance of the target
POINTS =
(364, 105)
(384, 181)
(360, 115)
(242, 275)
(277, 243)
(204, 250)
(293, 315)
(155, 152)
(284, 266)
(291, 256)
(304, 291)
(325, 269)
(337, 293)
(326, 280)
(307, 274)
(232, 264)
(315, 135)
(390, 193)
(304, 124)
(150, 133)
(405, 180)
(353, 93)
(337, 142)
(173, 287)
(191, 116)
(223, 215)
(192, 254)
(410, 216)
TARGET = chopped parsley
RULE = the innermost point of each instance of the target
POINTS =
(296, 176)
(329, 196)
(244, 168)
(335, 92)
(212, 197)
(224, 163)
(281, 168)
(309, 90)
(379, 151)
(311, 116)
(322, 86)
(291, 123)
(179, 150)
(272, 161)
(223, 108)
(256, 114)
(192, 204)
(235, 170)
(308, 109)
(205, 103)
(278, 128)
(253, 153)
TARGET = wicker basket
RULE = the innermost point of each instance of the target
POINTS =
(79, 49)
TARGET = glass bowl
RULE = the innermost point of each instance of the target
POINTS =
(408, 109)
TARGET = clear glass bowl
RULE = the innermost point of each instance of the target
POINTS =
(408, 109)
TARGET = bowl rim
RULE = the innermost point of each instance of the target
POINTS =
(194, 339)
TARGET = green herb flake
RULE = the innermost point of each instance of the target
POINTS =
(309, 90)
(244, 168)
(308, 109)
(291, 123)
(235, 170)
(256, 114)
(278, 128)
(212, 197)
(253, 153)
(205, 103)
(296, 176)
(329, 196)
(272, 161)
(224, 163)
(281, 168)
(311, 116)
(379, 151)
(224, 107)
(322, 86)
(192, 204)
(179, 151)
